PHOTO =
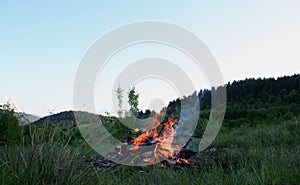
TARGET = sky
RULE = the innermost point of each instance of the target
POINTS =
(42, 44)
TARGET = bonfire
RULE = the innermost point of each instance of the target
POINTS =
(161, 136)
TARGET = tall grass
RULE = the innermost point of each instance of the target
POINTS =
(43, 161)
(265, 154)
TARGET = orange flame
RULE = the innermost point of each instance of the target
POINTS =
(164, 141)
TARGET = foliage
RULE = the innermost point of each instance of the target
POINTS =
(251, 101)
(133, 102)
(10, 132)
(119, 93)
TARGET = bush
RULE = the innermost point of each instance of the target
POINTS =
(10, 132)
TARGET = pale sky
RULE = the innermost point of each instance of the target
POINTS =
(42, 44)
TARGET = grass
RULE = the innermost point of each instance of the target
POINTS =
(265, 154)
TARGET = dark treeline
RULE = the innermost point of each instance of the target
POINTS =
(252, 101)
(263, 99)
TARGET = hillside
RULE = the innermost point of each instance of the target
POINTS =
(26, 118)
(67, 118)
(249, 102)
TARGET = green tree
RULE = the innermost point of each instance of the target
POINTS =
(292, 97)
(283, 94)
(10, 130)
(133, 102)
(119, 92)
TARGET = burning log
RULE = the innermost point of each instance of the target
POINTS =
(164, 148)
(163, 140)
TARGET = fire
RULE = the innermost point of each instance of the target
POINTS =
(137, 142)
(163, 140)
(182, 160)
(162, 165)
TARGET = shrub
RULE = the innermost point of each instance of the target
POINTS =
(10, 132)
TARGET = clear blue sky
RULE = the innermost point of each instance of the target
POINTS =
(42, 43)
